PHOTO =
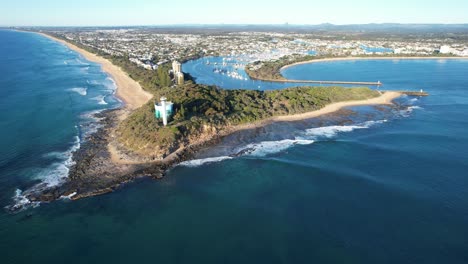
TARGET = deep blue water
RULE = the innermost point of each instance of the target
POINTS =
(366, 185)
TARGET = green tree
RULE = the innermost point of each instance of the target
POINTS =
(182, 112)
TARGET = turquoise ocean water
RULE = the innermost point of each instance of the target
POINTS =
(366, 185)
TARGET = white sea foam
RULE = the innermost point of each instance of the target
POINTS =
(112, 86)
(91, 115)
(89, 129)
(56, 173)
(265, 148)
(411, 108)
(80, 62)
(199, 162)
(311, 135)
(52, 176)
(80, 90)
(93, 82)
(20, 202)
(68, 197)
(406, 112)
(332, 131)
(90, 123)
(101, 99)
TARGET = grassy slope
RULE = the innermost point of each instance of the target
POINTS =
(208, 105)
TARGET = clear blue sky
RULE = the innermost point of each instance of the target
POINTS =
(157, 12)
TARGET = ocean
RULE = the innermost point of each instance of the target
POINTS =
(364, 185)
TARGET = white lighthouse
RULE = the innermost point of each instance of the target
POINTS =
(163, 110)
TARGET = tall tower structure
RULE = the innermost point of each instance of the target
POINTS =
(179, 78)
(176, 67)
(164, 110)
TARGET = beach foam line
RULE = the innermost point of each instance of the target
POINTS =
(128, 89)
(20, 202)
(407, 112)
(52, 176)
(57, 172)
(266, 148)
(79, 90)
(90, 123)
(332, 131)
(100, 99)
(68, 197)
(199, 162)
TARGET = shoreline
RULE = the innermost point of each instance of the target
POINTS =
(385, 98)
(282, 79)
(101, 168)
(128, 90)
(369, 58)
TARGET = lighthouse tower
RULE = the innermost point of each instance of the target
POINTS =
(164, 110)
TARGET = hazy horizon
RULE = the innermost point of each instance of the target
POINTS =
(87, 13)
(243, 24)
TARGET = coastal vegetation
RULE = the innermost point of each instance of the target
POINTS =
(270, 70)
(201, 109)
(202, 112)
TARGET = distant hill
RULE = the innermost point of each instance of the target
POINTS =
(358, 31)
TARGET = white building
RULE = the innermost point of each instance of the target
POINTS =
(163, 110)
(177, 71)
(446, 49)
(179, 78)
(176, 67)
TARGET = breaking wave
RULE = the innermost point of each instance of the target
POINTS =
(332, 131)
(52, 176)
(101, 99)
(407, 112)
(56, 173)
(68, 197)
(20, 202)
(266, 148)
(112, 85)
(80, 90)
(199, 162)
(91, 123)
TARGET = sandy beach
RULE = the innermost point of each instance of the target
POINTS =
(372, 58)
(128, 90)
(134, 97)
(385, 99)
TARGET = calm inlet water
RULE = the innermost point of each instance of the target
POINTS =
(366, 185)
